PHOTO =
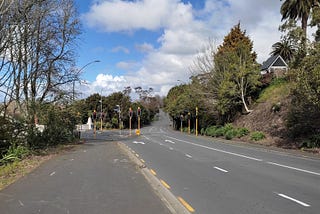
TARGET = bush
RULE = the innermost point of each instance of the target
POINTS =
(228, 127)
(203, 131)
(231, 134)
(15, 154)
(242, 132)
(312, 142)
(256, 136)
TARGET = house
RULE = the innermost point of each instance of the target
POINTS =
(275, 65)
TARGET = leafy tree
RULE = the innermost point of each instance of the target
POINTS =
(303, 119)
(38, 51)
(299, 10)
(236, 73)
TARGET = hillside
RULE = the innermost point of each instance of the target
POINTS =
(269, 113)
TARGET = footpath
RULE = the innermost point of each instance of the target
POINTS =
(95, 178)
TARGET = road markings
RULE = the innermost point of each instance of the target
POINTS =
(21, 204)
(165, 184)
(53, 173)
(142, 161)
(170, 148)
(294, 168)
(189, 156)
(222, 170)
(186, 205)
(136, 142)
(146, 138)
(292, 199)
(217, 150)
(169, 141)
(153, 172)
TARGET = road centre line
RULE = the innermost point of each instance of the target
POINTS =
(293, 199)
(222, 170)
(217, 150)
(189, 156)
(294, 168)
(146, 137)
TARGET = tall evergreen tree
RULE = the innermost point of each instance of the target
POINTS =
(236, 73)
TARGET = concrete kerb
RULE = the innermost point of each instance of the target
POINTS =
(165, 195)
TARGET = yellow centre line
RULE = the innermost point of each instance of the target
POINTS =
(165, 184)
(153, 172)
(184, 203)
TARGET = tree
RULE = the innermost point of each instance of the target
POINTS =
(299, 10)
(39, 52)
(285, 49)
(303, 118)
(236, 73)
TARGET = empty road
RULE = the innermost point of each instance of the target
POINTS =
(214, 177)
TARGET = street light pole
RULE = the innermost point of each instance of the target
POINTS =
(101, 113)
(83, 67)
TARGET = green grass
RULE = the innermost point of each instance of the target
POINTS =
(275, 92)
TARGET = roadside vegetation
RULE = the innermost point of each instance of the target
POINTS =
(227, 88)
(39, 109)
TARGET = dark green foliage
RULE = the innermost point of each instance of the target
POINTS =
(312, 142)
(257, 136)
(12, 133)
(231, 134)
(228, 131)
(14, 153)
(59, 125)
(241, 132)
(304, 114)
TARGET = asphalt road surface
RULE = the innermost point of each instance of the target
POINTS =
(94, 178)
(224, 178)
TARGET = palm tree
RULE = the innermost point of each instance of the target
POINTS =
(285, 49)
(299, 10)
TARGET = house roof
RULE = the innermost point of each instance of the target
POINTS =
(275, 60)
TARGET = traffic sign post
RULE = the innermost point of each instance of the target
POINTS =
(139, 114)
(130, 119)
(196, 121)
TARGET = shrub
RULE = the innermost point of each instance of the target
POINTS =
(231, 134)
(203, 131)
(15, 154)
(256, 136)
(242, 132)
(228, 127)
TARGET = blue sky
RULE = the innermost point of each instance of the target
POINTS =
(153, 43)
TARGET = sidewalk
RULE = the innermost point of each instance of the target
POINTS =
(97, 177)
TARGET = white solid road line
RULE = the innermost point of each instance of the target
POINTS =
(53, 173)
(169, 141)
(294, 168)
(222, 170)
(292, 199)
(217, 150)
(136, 142)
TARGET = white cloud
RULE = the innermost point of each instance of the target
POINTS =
(185, 31)
(144, 48)
(115, 15)
(120, 49)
